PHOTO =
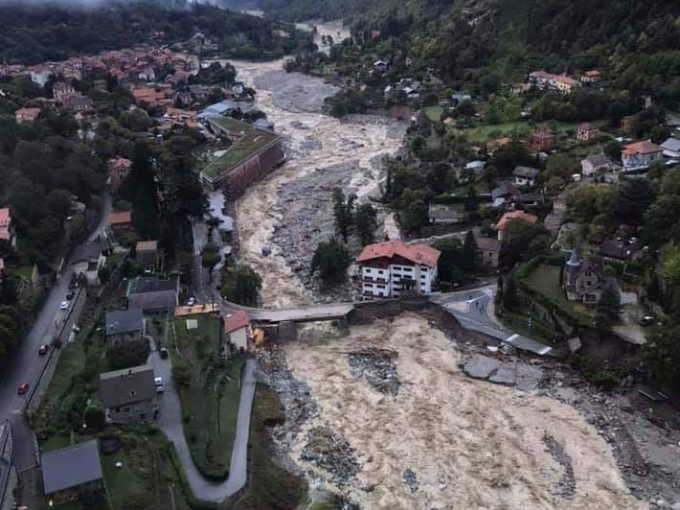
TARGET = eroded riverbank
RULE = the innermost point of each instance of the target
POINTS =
(287, 223)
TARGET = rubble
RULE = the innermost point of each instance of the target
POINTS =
(567, 485)
(521, 375)
(331, 452)
(410, 479)
(379, 368)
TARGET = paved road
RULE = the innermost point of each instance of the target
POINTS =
(302, 314)
(170, 422)
(27, 365)
(474, 310)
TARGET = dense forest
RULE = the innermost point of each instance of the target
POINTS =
(33, 34)
(477, 44)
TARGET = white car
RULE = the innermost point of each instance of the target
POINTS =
(160, 389)
(158, 381)
(191, 301)
(64, 305)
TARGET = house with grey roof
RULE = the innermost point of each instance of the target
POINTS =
(583, 278)
(124, 326)
(153, 295)
(671, 148)
(506, 192)
(525, 176)
(129, 395)
(444, 215)
(596, 163)
(71, 471)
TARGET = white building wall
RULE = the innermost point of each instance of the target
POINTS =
(388, 282)
(239, 338)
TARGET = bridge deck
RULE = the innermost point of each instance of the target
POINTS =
(302, 314)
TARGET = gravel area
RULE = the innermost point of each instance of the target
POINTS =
(295, 92)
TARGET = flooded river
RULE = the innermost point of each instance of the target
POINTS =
(313, 142)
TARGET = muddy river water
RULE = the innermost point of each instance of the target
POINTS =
(313, 142)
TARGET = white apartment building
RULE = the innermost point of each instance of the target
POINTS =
(391, 268)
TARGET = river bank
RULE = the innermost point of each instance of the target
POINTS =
(282, 218)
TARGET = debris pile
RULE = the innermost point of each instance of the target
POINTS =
(378, 366)
(331, 452)
(410, 479)
(567, 485)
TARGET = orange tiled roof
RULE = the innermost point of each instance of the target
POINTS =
(418, 254)
(509, 217)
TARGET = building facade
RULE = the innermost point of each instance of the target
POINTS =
(129, 395)
(583, 279)
(123, 326)
(640, 155)
(392, 269)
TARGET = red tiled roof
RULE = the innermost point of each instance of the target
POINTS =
(120, 218)
(509, 217)
(418, 254)
(236, 320)
(644, 147)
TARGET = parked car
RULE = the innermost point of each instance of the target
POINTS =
(158, 381)
(22, 388)
(191, 301)
(70, 295)
(647, 320)
(43, 349)
(164, 353)
(160, 389)
(64, 305)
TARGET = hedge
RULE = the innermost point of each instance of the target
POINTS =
(193, 501)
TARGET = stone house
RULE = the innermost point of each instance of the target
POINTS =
(119, 169)
(525, 176)
(596, 163)
(444, 215)
(542, 141)
(153, 295)
(120, 223)
(124, 326)
(583, 279)
(587, 132)
(129, 395)
(488, 250)
(69, 472)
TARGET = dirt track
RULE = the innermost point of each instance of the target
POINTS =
(445, 441)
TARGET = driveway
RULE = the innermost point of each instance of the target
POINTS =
(474, 310)
(27, 366)
(170, 422)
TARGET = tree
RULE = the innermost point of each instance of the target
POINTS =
(365, 222)
(331, 259)
(612, 150)
(412, 210)
(609, 306)
(128, 354)
(210, 257)
(343, 212)
(632, 200)
(181, 373)
(471, 202)
(241, 285)
(469, 255)
(661, 354)
(509, 293)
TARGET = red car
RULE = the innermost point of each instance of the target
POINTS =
(43, 349)
(22, 389)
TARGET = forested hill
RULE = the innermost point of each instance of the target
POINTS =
(636, 41)
(31, 34)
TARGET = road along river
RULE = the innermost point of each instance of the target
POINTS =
(316, 145)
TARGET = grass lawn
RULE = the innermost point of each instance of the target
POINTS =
(211, 398)
(488, 132)
(269, 486)
(546, 281)
(434, 113)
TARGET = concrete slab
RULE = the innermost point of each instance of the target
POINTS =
(528, 377)
(481, 367)
(506, 374)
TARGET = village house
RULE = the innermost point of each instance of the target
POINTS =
(147, 255)
(525, 176)
(596, 163)
(77, 103)
(129, 395)
(640, 155)
(627, 123)
(26, 115)
(124, 326)
(590, 77)
(475, 166)
(119, 169)
(488, 250)
(380, 66)
(392, 268)
(615, 249)
(200, 92)
(6, 226)
(60, 90)
(587, 132)
(542, 141)
(153, 294)
(503, 194)
(553, 82)
(671, 148)
(444, 215)
(120, 222)
(87, 262)
(40, 74)
(583, 279)
(69, 472)
(509, 217)
(237, 332)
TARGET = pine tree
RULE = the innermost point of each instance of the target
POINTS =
(509, 293)
(469, 256)
(366, 223)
